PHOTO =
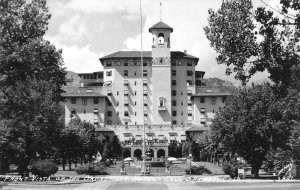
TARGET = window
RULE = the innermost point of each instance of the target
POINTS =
(173, 72)
(174, 122)
(181, 103)
(126, 63)
(95, 111)
(173, 82)
(202, 100)
(135, 93)
(174, 103)
(73, 112)
(109, 93)
(173, 62)
(189, 63)
(117, 93)
(145, 103)
(145, 73)
(134, 73)
(145, 64)
(173, 92)
(108, 64)
(109, 113)
(108, 103)
(117, 103)
(135, 83)
(223, 99)
(213, 101)
(73, 100)
(126, 114)
(84, 101)
(96, 124)
(135, 103)
(190, 114)
(126, 103)
(84, 111)
(174, 112)
(126, 123)
(96, 100)
(117, 113)
(135, 113)
(189, 73)
(126, 82)
(108, 73)
(125, 73)
(125, 92)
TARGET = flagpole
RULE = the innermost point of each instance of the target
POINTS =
(143, 167)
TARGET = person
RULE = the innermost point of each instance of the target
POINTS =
(115, 162)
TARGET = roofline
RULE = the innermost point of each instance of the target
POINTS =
(106, 58)
(211, 94)
(70, 95)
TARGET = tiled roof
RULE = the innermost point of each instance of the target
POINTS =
(146, 54)
(104, 129)
(212, 94)
(87, 94)
(197, 128)
(161, 25)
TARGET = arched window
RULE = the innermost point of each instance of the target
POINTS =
(161, 39)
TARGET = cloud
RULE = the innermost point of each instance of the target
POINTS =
(78, 59)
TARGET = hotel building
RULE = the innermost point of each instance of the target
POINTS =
(159, 89)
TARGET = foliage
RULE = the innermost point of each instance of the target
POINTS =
(91, 169)
(175, 150)
(44, 168)
(157, 164)
(116, 147)
(253, 122)
(198, 170)
(31, 77)
(249, 41)
(231, 168)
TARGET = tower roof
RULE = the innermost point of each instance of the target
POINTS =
(161, 25)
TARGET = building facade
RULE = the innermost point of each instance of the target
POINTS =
(160, 89)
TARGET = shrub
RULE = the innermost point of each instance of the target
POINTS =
(157, 164)
(44, 168)
(198, 170)
(91, 169)
(231, 168)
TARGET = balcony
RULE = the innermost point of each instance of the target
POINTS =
(189, 92)
(202, 110)
(126, 83)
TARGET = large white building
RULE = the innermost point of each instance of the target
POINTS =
(160, 89)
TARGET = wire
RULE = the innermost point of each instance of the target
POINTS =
(287, 15)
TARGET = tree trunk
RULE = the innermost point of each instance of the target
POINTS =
(70, 163)
(64, 163)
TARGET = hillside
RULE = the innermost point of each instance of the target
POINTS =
(216, 82)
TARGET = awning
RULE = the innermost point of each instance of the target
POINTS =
(96, 111)
(145, 81)
(126, 82)
(161, 137)
(126, 138)
(125, 92)
(173, 134)
(127, 134)
(173, 137)
(150, 134)
(138, 138)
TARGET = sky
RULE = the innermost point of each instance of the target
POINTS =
(87, 30)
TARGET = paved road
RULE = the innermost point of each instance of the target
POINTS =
(161, 186)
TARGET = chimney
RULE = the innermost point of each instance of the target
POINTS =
(185, 52)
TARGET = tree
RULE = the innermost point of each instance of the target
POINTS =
(116, 147)
(249, 41)
(254, 122)
(31, 77)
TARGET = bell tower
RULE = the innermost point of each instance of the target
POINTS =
(161, 73)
